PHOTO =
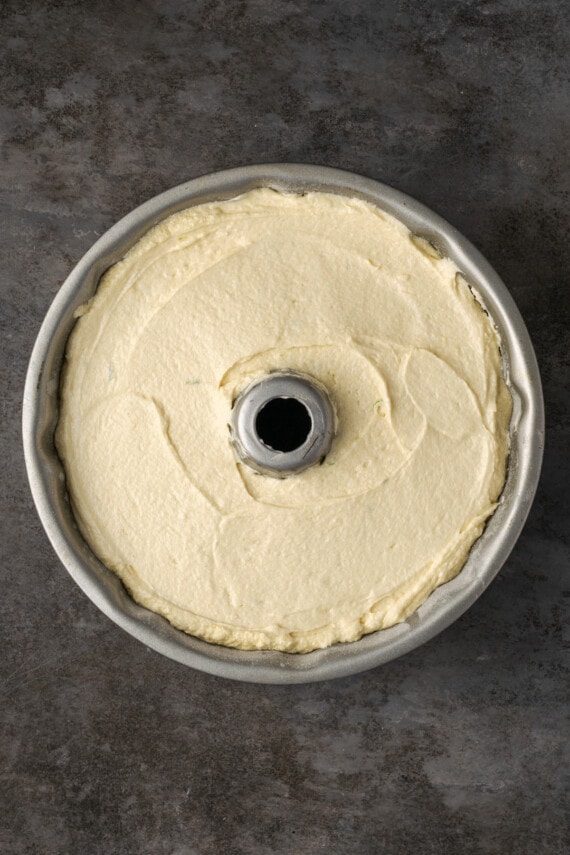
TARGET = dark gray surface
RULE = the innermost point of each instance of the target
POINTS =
(460, 746)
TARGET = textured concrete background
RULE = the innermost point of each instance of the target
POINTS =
(461, 746)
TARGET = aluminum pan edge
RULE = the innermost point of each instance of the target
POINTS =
(447, 602)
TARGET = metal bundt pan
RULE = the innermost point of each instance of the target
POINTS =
(446, 603)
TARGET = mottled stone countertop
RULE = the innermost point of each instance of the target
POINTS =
(460, 746)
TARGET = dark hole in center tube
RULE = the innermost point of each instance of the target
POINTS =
(283, 424)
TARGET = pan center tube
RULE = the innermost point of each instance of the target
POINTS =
(282, 424)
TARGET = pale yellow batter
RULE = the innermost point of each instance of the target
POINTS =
(220, 294)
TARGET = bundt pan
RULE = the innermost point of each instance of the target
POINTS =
(446, 603)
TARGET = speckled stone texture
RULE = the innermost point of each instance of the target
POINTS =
(459, 747)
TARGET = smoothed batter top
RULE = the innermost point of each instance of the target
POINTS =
(220, 294)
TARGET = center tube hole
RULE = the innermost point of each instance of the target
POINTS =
(283, 424)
